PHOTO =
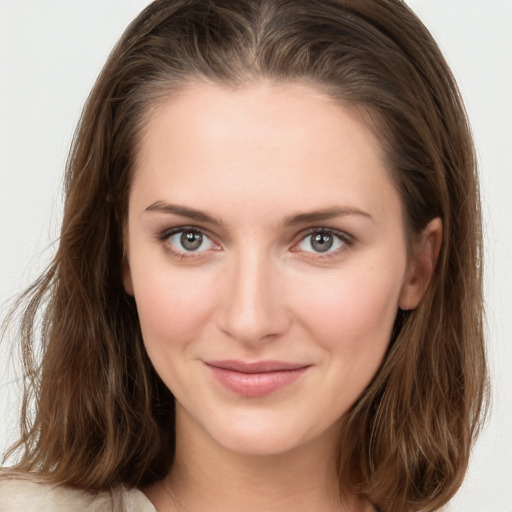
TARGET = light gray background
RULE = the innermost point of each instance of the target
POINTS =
(52, 50)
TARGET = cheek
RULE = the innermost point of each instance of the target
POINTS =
(353, 309)
(172, 307)
(351, 319)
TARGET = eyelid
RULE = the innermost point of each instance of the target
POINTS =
(347, 239)
(164, 236)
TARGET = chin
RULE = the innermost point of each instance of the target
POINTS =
(259, 443)
(262, 436)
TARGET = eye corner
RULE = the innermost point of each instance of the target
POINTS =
(337, 242)
(200, 242)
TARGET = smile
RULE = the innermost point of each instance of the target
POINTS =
(258, 379)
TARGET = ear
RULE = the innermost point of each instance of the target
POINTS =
(127, 276)
(422, 265)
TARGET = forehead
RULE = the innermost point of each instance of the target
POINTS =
(266, 142)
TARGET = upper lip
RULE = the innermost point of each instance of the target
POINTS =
(256, 366)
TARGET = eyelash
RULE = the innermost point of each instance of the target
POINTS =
(163, 238)
(346, 240)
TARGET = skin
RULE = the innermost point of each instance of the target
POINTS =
(254, 161)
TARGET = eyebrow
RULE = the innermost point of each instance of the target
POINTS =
(182, 211)
(328, 213)
(301, 218)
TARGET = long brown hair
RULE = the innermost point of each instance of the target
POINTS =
(101, 416)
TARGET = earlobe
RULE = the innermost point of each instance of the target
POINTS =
(422, 266)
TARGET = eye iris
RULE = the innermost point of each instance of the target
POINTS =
(191, 241)
(321, 242)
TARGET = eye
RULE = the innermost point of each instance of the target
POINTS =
(187, 240)
(322, 241)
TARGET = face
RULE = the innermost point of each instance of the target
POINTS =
(266, 254)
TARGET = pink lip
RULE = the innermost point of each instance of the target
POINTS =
(256, 379)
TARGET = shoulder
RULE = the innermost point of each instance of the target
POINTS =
(29, 495)
(34, 495)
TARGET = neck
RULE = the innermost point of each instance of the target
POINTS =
(208, 477)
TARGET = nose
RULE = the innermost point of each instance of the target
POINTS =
(253, 302)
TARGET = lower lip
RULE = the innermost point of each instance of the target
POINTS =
(255, 385)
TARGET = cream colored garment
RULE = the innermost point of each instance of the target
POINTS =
(20, 495)
(23, 495)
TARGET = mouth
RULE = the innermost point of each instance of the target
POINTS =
(256, 379)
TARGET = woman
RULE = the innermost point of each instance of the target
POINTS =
(267, 294)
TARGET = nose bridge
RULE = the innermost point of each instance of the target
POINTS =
(254, 306)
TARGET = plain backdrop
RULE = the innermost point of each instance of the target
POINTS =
(50, 54)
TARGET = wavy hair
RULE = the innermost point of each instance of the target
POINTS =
(95, 414)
